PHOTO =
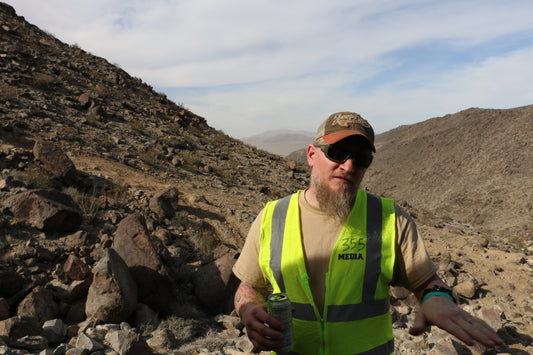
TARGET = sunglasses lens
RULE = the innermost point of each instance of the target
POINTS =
(339, 155)
(336, 154)
(363, 160)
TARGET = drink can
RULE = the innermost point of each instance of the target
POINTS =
(279, 307)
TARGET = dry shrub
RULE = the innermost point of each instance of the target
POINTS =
(118, 195)
(211, 341)
(89, 204)
(180, 219)
(138, 126)
(34, 176)
(151, 157)
(106, 141)
(205, 240)
(7, 92)
(180, 330)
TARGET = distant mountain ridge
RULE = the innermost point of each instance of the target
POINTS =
(281, 142)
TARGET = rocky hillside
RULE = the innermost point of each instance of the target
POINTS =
(474, 167)
(122, 214)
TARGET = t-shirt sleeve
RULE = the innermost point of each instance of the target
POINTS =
(413, 266)
(247, 267)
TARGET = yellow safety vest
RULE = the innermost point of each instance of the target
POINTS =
(357, 317)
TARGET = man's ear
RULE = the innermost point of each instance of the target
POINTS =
(311, 154)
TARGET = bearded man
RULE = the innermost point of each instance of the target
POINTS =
(335, 249)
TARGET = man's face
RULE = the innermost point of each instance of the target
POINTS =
(335, 183)
(340, 177)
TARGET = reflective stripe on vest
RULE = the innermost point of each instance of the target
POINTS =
(373, 306)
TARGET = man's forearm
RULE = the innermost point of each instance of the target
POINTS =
(246, 295)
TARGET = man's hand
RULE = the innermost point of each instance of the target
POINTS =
(442, 312)
(263, 330)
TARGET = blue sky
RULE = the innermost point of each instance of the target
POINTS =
(251, 66)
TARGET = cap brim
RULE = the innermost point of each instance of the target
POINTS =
(340, 135)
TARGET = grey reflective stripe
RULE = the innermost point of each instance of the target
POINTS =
(276, 239)
(373, 246)
(353, 312)
(303, 311)
(384, 349)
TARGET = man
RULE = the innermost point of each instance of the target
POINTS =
(334, 249)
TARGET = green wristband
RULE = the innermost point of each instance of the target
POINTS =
(429, 294)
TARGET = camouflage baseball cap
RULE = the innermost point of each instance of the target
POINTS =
(344, 124)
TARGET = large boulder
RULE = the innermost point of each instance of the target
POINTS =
(55, 160)
(47, 209)
(112, 296)
(136, 247)
(38, 304)
(214, 283)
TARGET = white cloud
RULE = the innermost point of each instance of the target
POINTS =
(287, 64)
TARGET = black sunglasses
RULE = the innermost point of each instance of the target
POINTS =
(339, 155)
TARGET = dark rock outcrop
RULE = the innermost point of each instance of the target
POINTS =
(47, 209)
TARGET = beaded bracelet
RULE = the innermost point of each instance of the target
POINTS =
(429, 294)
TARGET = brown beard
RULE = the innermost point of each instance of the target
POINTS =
(336, 204)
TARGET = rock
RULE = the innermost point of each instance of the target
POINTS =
(54, 330)
(38, 304)
(127, 342)
(483, 242)
(15, 328)
(443, 347)
(48, 210)
(10, 283)
(228, 322)
(76, 351)
(71, 292)
(136, 247)
(55, 160)
(144, 315)
(112, 296)
(83, 341)
(4, 309)
(61, 349)
(84, 100)
(31, 342)
(76, 313)
(465, 289)
(215, 284)
(75, 269)
(9, 183)
(399, 292)
(158, 341)
(165, 202)
(492, 316)
(244, 344)
(77, 239)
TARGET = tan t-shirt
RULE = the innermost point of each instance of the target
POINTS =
(412, 268)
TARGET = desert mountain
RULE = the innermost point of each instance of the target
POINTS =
(121, 213)
(474, 167)
(281, 142)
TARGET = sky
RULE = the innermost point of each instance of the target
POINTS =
(250, 66)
